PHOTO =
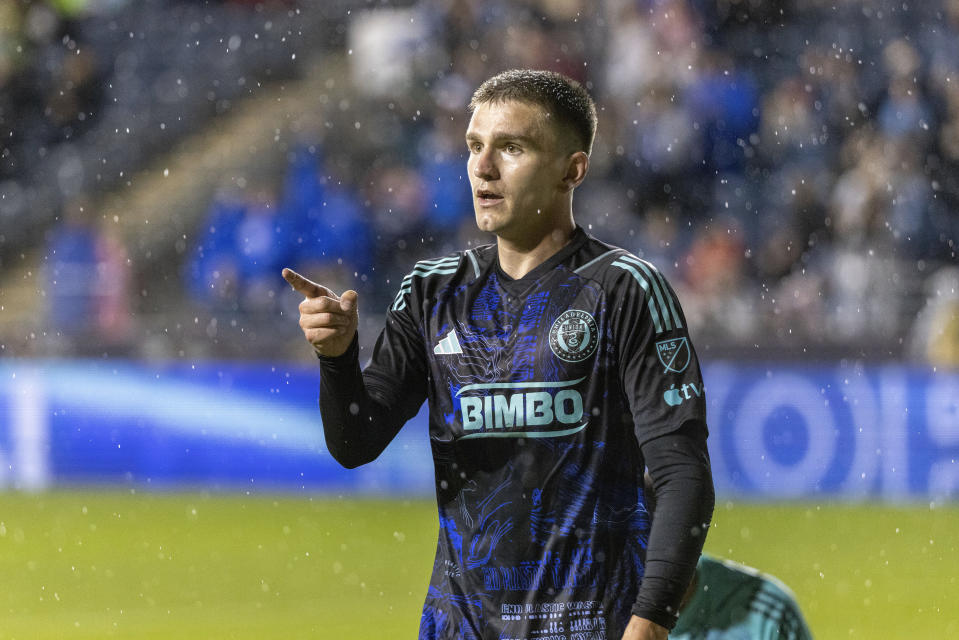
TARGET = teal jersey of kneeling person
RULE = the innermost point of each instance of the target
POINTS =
(731, 601)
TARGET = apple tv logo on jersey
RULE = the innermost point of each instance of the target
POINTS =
(675, 397)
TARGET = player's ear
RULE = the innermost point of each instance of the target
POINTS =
(576, 167)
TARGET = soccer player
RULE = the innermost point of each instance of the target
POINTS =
(728, 600)
(556, 368)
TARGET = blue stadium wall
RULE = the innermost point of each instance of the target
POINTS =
(778, 432)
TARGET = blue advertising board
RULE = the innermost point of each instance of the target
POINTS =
(851, 431)
(785, 431)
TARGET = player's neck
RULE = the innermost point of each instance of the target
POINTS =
(517, 259)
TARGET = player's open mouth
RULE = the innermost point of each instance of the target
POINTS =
(485, 197)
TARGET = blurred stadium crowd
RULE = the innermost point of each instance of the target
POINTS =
(792, 166)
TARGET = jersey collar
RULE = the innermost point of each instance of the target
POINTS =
(575, 243)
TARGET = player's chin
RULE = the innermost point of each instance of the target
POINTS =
(486, 221)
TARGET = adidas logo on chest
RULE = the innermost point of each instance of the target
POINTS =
(448, 345)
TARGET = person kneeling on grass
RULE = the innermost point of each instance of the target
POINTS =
(726, 600)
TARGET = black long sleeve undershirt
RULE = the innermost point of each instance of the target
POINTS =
(678, 463)
(358, 428)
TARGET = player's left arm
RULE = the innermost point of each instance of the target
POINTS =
(678, 464)
(663, 384)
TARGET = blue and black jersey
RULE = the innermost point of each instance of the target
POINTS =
(542, 392)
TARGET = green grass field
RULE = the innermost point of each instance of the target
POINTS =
(96, 564)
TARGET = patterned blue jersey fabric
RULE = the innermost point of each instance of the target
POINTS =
(541, 391)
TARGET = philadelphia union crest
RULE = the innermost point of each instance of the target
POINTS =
(573, 336)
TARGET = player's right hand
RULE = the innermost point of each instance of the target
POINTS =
(328, 321)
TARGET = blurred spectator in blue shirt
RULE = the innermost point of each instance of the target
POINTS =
(212, 274)
(725, 102)
(241, 245)
(88, 280)
(71, 272)
(448, 194)
(327, 221)
(262, 242)
(398, 209)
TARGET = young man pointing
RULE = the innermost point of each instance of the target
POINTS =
(553, 365)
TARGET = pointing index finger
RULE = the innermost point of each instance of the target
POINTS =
(305, 286)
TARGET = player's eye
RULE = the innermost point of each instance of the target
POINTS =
(512, 148)
(475, 147)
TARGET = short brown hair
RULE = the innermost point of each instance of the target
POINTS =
(567, 99)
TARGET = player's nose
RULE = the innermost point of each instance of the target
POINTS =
(484, 165)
